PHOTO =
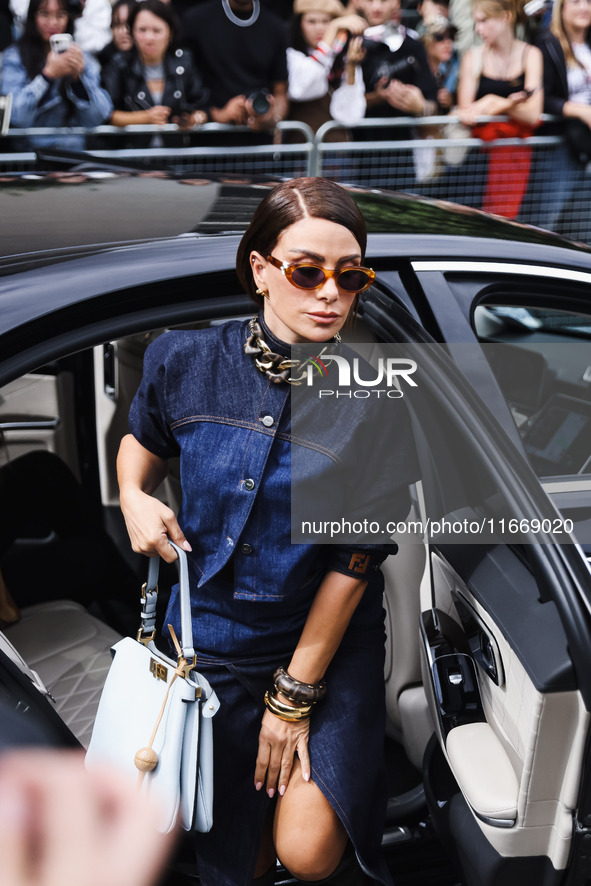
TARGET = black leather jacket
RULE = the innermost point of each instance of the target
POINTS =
(184, 91)
(555, 81)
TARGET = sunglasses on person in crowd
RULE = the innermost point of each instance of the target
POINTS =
(308, 276)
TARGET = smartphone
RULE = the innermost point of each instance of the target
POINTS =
(60, 42)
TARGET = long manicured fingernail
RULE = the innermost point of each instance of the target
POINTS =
(306, 776)
(258, 785)
(186, 546)
(271, 793)
(282, 790)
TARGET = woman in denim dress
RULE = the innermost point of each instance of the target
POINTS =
(299, 771)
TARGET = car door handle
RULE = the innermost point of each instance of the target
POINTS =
(456, 690)
(30, 423)
(110, 373)
(487, 658)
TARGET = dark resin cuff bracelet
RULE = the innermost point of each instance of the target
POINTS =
(296, 691)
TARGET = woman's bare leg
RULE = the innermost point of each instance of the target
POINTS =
(309, 837)
(266, 857)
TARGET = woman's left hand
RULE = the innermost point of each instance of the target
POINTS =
(75, 61)
(279, 741)
(356, 51)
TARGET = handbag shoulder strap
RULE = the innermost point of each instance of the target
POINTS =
(150, 596)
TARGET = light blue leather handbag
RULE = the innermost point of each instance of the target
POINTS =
(155, 716)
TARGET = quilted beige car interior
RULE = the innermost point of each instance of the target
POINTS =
(69, 649)
(524, 762)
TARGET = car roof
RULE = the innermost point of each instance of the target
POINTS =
(126, 251)
(60, 212)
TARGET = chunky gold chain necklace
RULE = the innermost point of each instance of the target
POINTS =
(275, 366)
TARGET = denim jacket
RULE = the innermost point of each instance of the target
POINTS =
(202, 398)
(40, 103)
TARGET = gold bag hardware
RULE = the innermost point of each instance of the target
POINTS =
(158, 670)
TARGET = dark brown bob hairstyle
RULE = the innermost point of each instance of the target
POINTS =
(288, 203)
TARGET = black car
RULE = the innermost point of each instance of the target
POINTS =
(488, 672)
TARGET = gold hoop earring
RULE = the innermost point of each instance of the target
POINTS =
(263, 292)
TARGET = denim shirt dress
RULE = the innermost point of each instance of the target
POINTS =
(201, 397)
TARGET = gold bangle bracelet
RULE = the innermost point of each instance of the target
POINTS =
(285, 712)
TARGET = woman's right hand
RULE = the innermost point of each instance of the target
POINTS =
(150, 523)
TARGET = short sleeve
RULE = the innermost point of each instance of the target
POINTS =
(148, 416)
(358, 561)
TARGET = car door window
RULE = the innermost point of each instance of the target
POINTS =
(541, 358)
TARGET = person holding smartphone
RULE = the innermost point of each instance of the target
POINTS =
(502, 77)
(52, 87)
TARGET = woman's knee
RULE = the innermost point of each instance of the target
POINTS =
(311, 854)
(307, 865)
(309, 837)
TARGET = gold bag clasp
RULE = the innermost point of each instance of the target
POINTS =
(158, 670)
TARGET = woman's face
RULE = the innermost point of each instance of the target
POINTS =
(51, 18)
(441, 49)
(298, 315)
(119, 27)
(576, 15)
(151, 36)
(490, 28)
(314, 24)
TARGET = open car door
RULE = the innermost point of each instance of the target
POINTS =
(505, 639)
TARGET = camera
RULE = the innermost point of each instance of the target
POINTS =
(403, 69)
(260, 102)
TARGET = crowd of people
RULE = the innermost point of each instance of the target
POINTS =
(255, 62)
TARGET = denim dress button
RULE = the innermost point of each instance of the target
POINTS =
(249, 484)
(267, 420)
(246, 548)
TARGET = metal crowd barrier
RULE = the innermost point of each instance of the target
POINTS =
(531, 180)
(213, 149)
(527, 179)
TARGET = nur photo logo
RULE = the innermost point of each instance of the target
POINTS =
(356, 378)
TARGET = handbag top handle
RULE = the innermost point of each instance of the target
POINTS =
(149, 597)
